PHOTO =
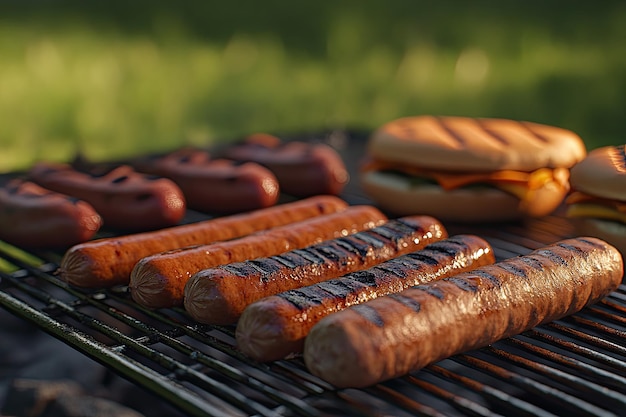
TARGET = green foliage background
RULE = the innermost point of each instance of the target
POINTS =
(112, 79)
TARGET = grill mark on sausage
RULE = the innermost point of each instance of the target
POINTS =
(392, 271)
(291, 260)
(423, 257)
(532, 262)
(488, 276)
(395, 230)
(551, 256)
(434, 291)
(512, 268)
(369, 239)
(241, 269)
(590, 243)
(369, 314)
(332, 251)
(406, 301)
(463, 284)
(359, 247)
(300, 299)
(266, 265)
(336, 288)
(348, 245)
(309, 256)
(119, 179)
(448, 247)
(571, 248)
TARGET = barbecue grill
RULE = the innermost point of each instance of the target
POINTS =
(574, 366)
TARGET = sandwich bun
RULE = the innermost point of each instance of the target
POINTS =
(476, 170)
(597, 204)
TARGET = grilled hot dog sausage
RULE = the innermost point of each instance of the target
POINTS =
(126, 199)
(275, 326)
(36, 218)
(219, 186)
(395, 334)
(159, 280)
(109, 261)
(302, 168)
(219, 295)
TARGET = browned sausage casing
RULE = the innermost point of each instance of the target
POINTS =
(219, 186)
(219, 295)
(302, 168)
(109, 261)
(395, 334)
(36, 218)
(275, 326)
(126, 199)
(159, 281)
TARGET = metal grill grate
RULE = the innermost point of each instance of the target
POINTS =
(575, 366)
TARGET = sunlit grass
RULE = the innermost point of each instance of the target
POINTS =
(109, 94)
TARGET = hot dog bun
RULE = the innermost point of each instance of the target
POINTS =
(597, 205)
(469, 169)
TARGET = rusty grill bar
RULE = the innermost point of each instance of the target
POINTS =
(574, 366)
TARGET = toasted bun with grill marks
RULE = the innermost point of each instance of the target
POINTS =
(602, 173)
(479, 169)
(601, 176)
(475, 144)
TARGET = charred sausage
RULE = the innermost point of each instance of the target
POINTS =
(109, 261)
(218, 186)
(275, 327)
(36, 218)
(126, 200)
(395, 334)
(302, 168)
(219, 295)
(159, 280)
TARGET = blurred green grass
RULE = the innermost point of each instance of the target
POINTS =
(111, 79)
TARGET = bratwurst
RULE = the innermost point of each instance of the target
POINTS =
(275, 326)
(126, 199)
(398, 333)
(158, 281)
(214, 185)
(109, 261)
(219, 295)
(36, 218)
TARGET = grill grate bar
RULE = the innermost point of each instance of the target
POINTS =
(593, 392)
(512, 404)
(576, 365)
(541, 390)
(577, 348)
(461, 403)
(223, 391)
(179, 396)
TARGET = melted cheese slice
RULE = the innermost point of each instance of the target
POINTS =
(585, 205)
(519, 183)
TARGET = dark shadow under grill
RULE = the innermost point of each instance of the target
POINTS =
(574, 366)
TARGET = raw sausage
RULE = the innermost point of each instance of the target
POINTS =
(126, 199)
(217, 186)
(275, 327)
(36, 218)
(109, 261)
(159, 281)
(302, 168)
(395, 334)
(219, 295)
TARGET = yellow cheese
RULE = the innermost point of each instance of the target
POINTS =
(596, 211)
